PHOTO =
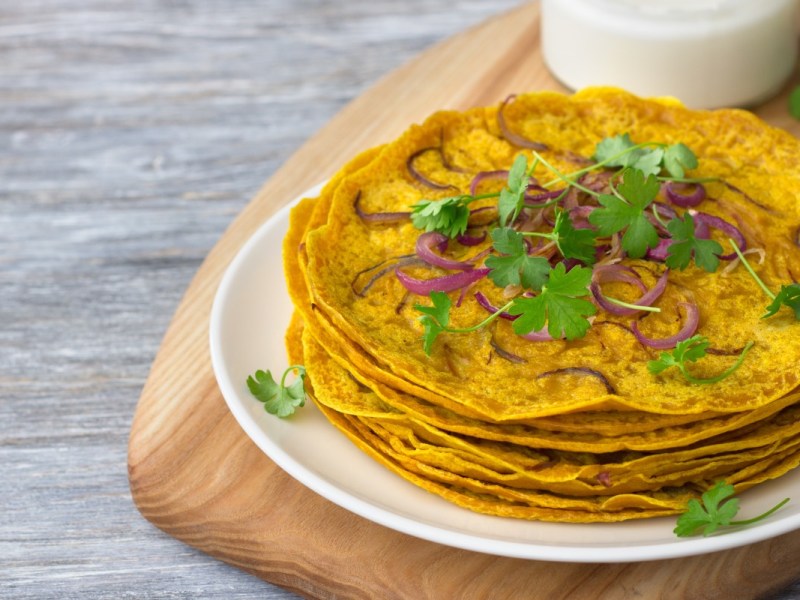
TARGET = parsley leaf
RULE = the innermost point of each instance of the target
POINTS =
(572, 242)
(717, 509)
(512, 197)
(279, 399)
(435, 319)
(516, 268)
(449, 216)
(789, 295)
(692, 350)
(685, 245)
(628, 212)
(615, 151)
(677, 158)
(559, 305)
(620, 151)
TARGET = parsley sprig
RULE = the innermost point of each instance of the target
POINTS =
(559, 305)
(718, 509)
(435, 319)
(788, 295)
(689, 351)
(625, 211)
(279, 399)
(514, 266)
(686, 245)
(572, 242)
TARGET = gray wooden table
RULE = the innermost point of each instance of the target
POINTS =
(131, 134)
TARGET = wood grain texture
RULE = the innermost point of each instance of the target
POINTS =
(194, 474)
(131, 134)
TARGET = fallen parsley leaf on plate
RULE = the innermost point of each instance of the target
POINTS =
(279, 399)
(717, 510)
(688, 351)
(559, 305)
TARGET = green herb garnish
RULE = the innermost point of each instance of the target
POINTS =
(650, 158)
(436, 318)
(692, 350)
(559, 305)
(515, 267)
(789, 295)
(512, 197)
(572, 242)
(686, 245)
(449, 216)
(717, 510)
(626, 211)
(279, 399)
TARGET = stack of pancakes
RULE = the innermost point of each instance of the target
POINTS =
(506, 426)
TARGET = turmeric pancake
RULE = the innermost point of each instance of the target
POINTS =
(568, 308)
(457, 368)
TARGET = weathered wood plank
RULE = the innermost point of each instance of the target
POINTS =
(131, 134)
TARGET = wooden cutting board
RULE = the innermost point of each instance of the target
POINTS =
(195, 474)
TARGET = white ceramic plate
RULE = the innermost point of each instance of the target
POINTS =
(250, 314)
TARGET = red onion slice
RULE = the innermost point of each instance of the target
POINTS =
(489, 307)
(471, 240)
(728, 229)
(424, 249)
(379, 217)
(674, 192)
(483, 176)
(660, 252)
(448, 283)
(513, 138)
(538, 336)
(687, 331)
(580, 371)
(419, 176)
(509, 356)
(647, 299)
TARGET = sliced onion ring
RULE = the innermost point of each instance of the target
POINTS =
(647, 299)
(419, 176)
(448, 283)
(729, 230)
(580, 371)
(687, 331)
(513, 138)
(673, 191)
(379, 217)
(424, 249)
(483, 176)
(484, 302)
(471, 240)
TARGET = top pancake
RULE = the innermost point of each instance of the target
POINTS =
(463, 369)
